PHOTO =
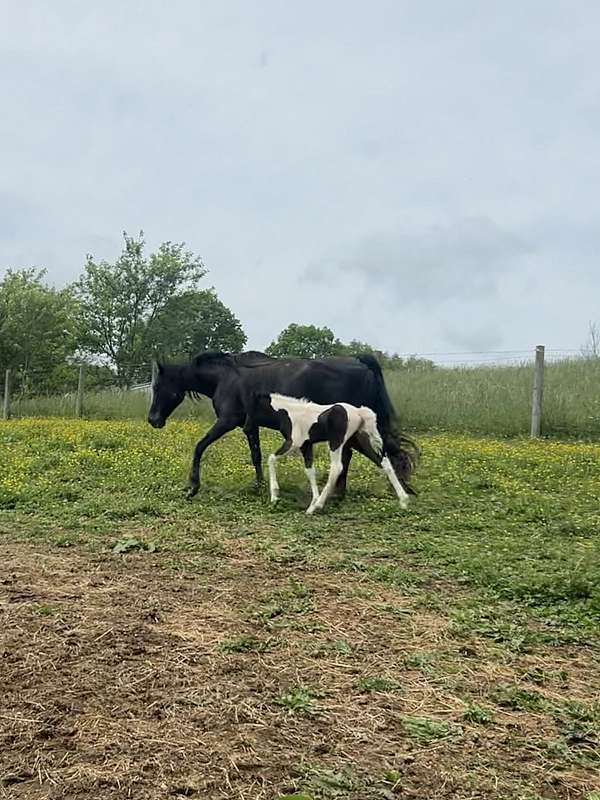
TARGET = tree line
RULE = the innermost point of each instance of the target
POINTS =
(310, 341)
(116, 316)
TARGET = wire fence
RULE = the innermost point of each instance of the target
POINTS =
(459, 358)
(482, 391)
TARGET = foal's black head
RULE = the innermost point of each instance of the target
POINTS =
(167, 394)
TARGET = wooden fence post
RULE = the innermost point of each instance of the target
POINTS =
(538, 390)
(6, 404)
(79, 397)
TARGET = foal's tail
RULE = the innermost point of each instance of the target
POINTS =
(400, 449)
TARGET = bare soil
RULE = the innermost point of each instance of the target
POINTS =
(125, 676)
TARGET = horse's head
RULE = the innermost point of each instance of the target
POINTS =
(167, 393)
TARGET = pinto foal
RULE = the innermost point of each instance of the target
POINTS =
(303, 424)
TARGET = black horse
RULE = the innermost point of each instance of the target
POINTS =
(231, 382)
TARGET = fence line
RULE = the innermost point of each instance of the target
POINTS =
(79, 398)
(486, 352)
(536, 401)
(6, 403)
(538, 389)
(82, 393)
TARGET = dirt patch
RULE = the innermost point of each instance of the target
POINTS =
(121, 677)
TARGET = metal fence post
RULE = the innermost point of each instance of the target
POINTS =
(538, 390)
(79, 397)
(6, 404)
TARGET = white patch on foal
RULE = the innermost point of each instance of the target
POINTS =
(311, 474)
(273, 483)
(302, 413)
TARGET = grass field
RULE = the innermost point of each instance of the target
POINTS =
(223, 648)
(492, 400)
(497, 399)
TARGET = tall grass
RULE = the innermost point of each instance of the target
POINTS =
(497, 399)
(116, 404)
(486, 400)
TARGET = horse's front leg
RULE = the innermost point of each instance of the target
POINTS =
(253, 437)
(220, 428)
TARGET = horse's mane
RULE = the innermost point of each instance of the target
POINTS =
(251, 358)
(212, 357)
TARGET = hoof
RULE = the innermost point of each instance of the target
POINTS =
(191, 491)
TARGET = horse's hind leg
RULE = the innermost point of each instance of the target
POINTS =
(307, 453)
(273, 484)
(253, 438)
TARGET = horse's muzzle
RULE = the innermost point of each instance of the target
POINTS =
(156, 422)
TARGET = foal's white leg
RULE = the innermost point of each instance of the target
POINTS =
(312, 479)
(393, 478)
(335, 470)
(286, 448)
(273, 484)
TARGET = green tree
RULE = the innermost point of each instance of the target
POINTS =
(306, 341)
(356, 346)
(195, 322)
(37, 329)
(389, 360)
(122, 303)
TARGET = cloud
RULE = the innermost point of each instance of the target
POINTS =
(464, 261)
(468, 335)
(435, 167)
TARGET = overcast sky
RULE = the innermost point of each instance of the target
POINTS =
(423, 175)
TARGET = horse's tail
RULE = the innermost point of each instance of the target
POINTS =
(369, 426)
(399, 448)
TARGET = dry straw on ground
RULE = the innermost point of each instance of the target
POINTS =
(123, 678)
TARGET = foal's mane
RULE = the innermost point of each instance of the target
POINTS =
(301, 401)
